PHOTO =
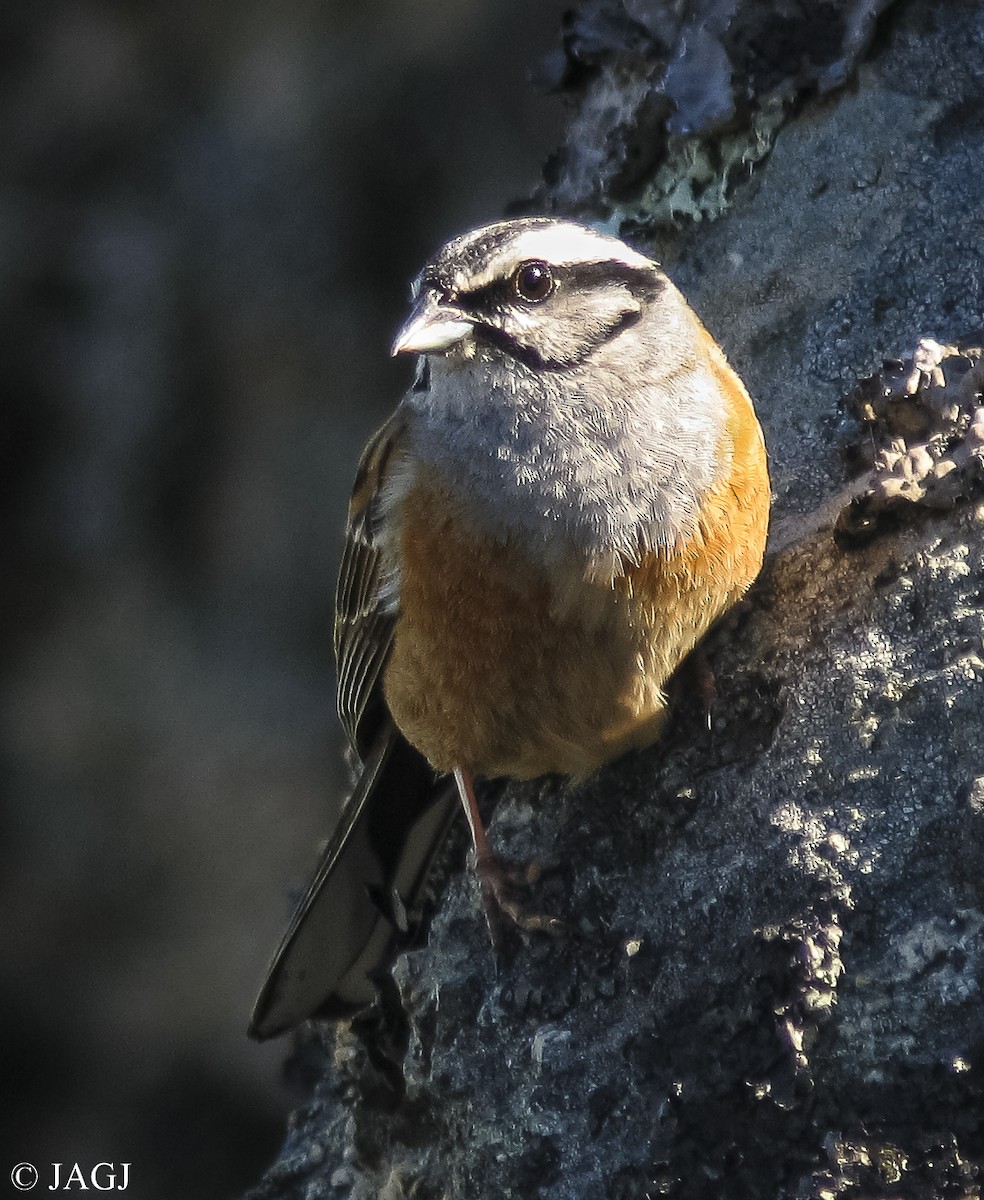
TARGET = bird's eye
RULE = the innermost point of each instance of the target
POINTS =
(533, 282)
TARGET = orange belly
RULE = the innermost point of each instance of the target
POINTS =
(504, 666)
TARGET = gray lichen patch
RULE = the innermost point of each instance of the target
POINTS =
(697, 177)
(674, 104)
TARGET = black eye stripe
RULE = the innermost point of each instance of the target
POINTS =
(644, 283)
(501, 292)
(485, 299)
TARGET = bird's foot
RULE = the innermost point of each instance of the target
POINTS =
(503, 884)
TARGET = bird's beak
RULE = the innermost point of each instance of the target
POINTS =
(431, 328)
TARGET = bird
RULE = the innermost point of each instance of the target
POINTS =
(572, 491)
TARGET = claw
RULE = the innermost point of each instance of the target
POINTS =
(501, 882)
(703, 676)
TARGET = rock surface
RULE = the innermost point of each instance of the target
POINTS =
(772, 983)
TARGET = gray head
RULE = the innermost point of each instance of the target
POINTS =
(546, 292)
(565, 388)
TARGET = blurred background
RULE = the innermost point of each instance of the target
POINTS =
(209, 214)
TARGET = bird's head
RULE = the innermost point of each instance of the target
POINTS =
(544, 292)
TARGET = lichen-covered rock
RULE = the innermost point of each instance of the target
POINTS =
(673, 104)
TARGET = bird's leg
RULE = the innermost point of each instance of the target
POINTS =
(498, 879)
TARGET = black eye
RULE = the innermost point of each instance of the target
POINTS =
(533, 281)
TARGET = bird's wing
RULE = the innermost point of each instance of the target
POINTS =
(365, 600)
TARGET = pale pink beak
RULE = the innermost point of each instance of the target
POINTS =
(432, 328)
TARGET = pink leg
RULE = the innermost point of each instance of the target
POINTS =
(466, 792)
(498, 879)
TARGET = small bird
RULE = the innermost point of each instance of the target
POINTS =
(570, 494)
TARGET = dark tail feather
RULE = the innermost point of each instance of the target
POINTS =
(386, 838)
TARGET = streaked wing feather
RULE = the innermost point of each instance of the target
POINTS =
(364, 616)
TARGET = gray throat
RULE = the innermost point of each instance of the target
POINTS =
(609, 458)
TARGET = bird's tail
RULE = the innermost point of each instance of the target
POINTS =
(372, 871)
